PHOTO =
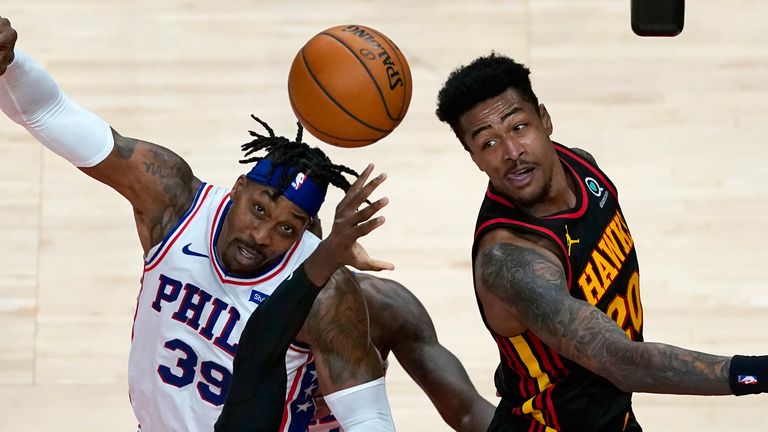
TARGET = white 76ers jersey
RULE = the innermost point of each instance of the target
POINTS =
(189, 316)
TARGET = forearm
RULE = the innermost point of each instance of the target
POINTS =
(535, 288)
(363, 408)
(459, 404)
(320, 267)
(30, 97)
(660, 368)
(443, 378)
(597, 343)
(478, 418)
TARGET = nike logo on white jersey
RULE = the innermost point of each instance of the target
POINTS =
(187, 251)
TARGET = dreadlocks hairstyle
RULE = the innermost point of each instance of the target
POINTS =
(298, 155)
(484, 78)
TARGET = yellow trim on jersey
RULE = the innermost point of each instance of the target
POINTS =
(530, 362)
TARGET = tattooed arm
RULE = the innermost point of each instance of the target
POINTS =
(337, 331)
(400, 324)
(534, 288)
(349, 369)
(158, 183)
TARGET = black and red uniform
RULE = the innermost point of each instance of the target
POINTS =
(541, 390)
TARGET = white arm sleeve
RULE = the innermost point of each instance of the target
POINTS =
(362, 408)
(30, 97)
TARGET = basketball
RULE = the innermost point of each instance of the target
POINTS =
(350, 86)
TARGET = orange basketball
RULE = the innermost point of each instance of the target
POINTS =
(350, 86)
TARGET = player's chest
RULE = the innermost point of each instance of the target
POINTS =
(176, 301)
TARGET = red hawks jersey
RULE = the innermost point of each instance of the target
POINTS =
(541, 390)
(189, 316)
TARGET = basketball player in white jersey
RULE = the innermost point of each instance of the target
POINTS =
(212, 256)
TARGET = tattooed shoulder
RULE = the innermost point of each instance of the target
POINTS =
(337, 330)
(510, 271)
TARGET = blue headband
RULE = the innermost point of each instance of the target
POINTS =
(303, 191)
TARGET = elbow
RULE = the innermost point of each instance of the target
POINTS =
(624, 384)
(474, 418)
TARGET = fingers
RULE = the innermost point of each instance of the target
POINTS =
(7, 42)
(365, 228)
(359, 191)
(374, 265)
(368, 212)
(356, 186)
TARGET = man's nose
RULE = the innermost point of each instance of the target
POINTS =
(513, 148)
(260, 234)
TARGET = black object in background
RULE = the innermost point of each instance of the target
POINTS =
(658, 17)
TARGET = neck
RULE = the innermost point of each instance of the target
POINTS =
(561, 195)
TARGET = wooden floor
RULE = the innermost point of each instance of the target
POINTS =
(679, 124)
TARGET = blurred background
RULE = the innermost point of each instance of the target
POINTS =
(677, 123)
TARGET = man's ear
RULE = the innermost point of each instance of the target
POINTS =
(239, 185)
(546, 120)
(315, 227)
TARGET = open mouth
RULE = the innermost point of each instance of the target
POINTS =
(520, 176)
(248, 256)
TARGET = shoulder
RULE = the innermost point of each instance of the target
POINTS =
(378, 290)
(585, 155)
(500, 237)
(395, 312)
(339, 307)
(508, 264)
(386, 295)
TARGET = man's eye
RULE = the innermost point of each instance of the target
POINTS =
(519, 126)
(288, 229)
(259, 208)
(489, 143)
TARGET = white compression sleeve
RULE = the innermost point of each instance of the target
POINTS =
(30, 97)
(362, 408)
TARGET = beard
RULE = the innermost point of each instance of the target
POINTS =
(534, 195)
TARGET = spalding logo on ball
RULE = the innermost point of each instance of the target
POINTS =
(350, 86)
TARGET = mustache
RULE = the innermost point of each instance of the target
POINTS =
(251, 248)
(521, 164)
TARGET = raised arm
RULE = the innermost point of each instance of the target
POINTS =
(403, 326)
(534, 287)
(157, 182)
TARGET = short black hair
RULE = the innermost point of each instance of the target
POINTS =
(295, 154)
(484, 78)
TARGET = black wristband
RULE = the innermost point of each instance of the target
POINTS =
(748, 375)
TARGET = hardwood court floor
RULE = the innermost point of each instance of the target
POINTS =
(678, 123)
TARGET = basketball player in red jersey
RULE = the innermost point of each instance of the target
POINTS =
(556, 275)
(242, 243)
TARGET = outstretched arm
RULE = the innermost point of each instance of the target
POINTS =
(406, 329)
(534, 287)
(157, 182)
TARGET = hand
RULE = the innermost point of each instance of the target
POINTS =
(7, 42)
(350, 223)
